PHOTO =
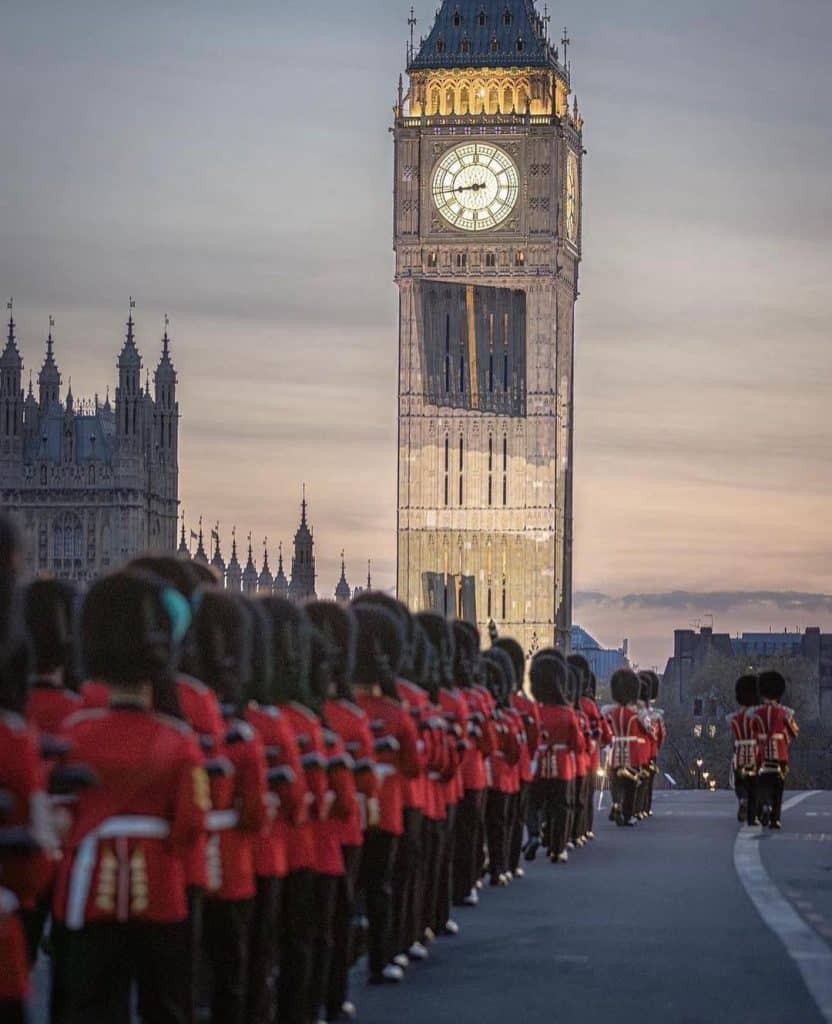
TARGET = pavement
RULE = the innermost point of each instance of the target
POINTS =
(645, 924)
(655, 923)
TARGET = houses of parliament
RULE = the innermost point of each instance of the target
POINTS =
(91, 484)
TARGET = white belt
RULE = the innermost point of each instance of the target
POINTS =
(435, 776)
(746, 743)
(221, 821)
(384, 771)
(126, 826)
(627, 739)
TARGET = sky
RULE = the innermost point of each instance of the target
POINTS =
(231, 165)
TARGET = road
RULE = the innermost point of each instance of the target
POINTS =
(649, 924)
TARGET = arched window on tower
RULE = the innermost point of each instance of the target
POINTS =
(464, 100)
(490, 471)
(461, 466)
(522, 99)
(507, 17)
(449, 101)
(447, 470)
(447, 353)
(493, 100)
(433, 105)
(508, 100)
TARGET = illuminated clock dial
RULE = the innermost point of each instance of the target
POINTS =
(475, 186)
(572, 187)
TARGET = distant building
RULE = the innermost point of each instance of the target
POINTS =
(89, 485)
(691, 649)
(602, 661)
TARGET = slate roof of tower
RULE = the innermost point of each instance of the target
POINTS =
(526, 24)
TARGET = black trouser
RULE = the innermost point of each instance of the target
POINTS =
(408, 881)
(536, 809)
(468, 834)
(375, 885)
(432, 847)
(444, 894)
(226, 931)
(262, 960)
(623, 793)
(33, 920)
(770, 786)
(520, 805)
(589, 809)
(342, 933)
(557, 795)
(99, 964)
(651, 782)
(745, 786)
(13, 1011)
(496, 831)
(579, 813)
(325, 895)
(296, 937)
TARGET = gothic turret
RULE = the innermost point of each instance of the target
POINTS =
(167, 409)
(265, 583)
(182, 550)
(200, 555)
(342, 590)
(11, 395)
(250, 572)
(129, 390)
(49, 378)
(302, 587)
(281, 584)
(217, 561)
(234, 572)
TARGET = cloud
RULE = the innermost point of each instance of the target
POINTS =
(710, 601)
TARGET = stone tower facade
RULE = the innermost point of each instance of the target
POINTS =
(302, 585)
(89, 485)
(488, 158)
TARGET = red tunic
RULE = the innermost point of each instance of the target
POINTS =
(775, 727)
(95, 695)
(309, 738)
(341, 806)
(583, 758)
(14, 966)
(232, 836)
(482, 734)
(397, 755)
(561, 740)
(746, 752)
(416, 701)
(503, 764)
(600, 734)
(49, 705)
(630, 737)
(530, 714)
(271, 848)
(22, 782)
(455, 709)
(123, 857)
(201, 709)
(351, 723)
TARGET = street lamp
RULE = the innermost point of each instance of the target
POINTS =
(699, 763)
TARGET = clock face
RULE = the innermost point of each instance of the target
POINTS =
(572, 197)
(475, 186)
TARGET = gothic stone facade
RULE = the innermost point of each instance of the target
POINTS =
(89, 486)
(488, 159)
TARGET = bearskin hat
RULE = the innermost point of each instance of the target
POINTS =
(337, 624)
(290, 636)
(581, 666)
(402, 613)
(625, 686)
(48, 611)
(321, 653)
(206, 574)
(547, 675)
(593, 685)
(772, 685)
(655, 683)
(128, 634)
(442, 636)
(222, 635)
(644, 686)
(378, 646)
(507, 681)
(747, 692)
(466, 653)
(176, 571)
(518, 658)
(259, 686)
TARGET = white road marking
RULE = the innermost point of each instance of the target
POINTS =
(812, 956)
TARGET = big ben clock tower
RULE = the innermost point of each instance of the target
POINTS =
(488, 157)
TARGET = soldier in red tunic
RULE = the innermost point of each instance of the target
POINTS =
(745, 759)
(502, 766)
(378, 658)
(629, 738)
(120, 890)
(49, 607)
(775, 728)
(222, 634)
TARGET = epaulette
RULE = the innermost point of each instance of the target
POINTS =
(85, 715)
(174, 723)
(304, 710)
(13, 721)
(193, 683)
(240, 732)
(354, 709)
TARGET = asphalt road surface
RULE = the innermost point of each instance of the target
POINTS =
(648, 924)
(686, 919)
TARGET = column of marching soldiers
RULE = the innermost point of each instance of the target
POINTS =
(213, 806)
